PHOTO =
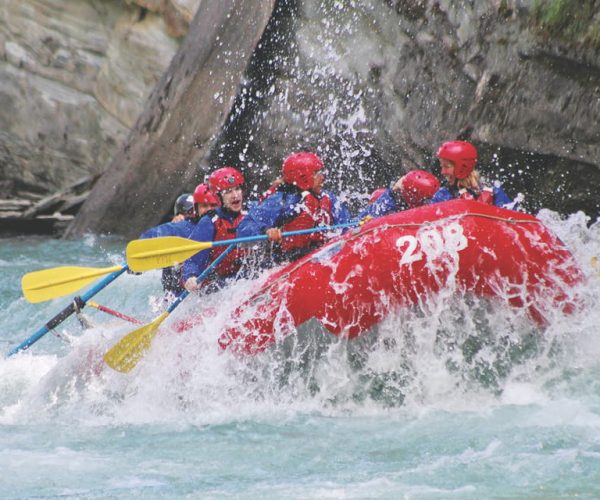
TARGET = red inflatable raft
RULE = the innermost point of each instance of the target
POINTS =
(403, 259)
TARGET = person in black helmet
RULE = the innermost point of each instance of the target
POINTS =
(184, 207)
(182, 223)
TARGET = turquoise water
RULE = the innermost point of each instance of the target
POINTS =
(451, 408)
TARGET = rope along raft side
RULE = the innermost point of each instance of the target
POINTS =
(404, 259)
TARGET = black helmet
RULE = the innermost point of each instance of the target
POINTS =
(184, 204)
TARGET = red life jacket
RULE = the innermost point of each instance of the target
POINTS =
(486, 195)
(225, 230)
(312, 212)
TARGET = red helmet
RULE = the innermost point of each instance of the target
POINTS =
(225, 178)
(417, 186)
(299, 169)
(463, 154)
(203, 195)
(376, 194)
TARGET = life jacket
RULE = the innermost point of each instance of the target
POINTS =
(486, 195)
(225, 230)
(312, 211)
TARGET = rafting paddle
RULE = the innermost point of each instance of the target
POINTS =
(125, 354)
(73, 307)
(47, 284)
(156, 253)
(596, 265)
(112, 312)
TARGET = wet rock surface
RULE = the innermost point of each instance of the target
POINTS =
(373, 86)
(74, 76)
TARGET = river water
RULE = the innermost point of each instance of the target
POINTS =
(470, 402)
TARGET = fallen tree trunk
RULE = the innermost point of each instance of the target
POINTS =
(181, 120)
(49, 215)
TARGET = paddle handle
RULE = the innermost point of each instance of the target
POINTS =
(75, 305)
(260, 237)
(200, 277)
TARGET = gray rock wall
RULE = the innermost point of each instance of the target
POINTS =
(377, 85)
(373, 85)
(74, 76)
(177, 129)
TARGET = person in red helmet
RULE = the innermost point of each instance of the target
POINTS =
(457, 162)
(188, 209)
(220, 224)
(204, 200)
(298, 202)
(417, 187)
(410, 191)
(375, 195)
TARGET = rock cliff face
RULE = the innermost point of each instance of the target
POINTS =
(377, 85)
(74, 76)
(182, 118)
(372, 85)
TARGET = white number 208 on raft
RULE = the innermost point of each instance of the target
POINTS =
(433, 242)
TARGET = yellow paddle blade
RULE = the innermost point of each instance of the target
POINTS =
(156, 253)
(47, 284)
(126, 353)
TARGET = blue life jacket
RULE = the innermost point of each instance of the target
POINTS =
(498, 197)
(285, 206)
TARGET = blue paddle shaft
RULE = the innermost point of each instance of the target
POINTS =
(70, 309)
(199, 278)
(260, 237)
(67, 311)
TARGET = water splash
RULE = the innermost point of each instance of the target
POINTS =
(449, 353)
